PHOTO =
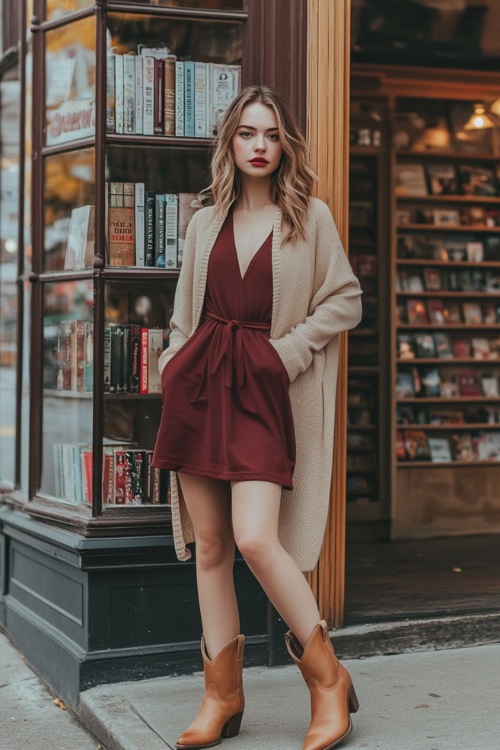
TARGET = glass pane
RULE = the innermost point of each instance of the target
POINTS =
(67, 391)
(135, 335)
(25, 390)
(171, 76)
(197, 4)
(9, 214)
(170, 185)
(70, 82)
(58, 8)
(69, 210)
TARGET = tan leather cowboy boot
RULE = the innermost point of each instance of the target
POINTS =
(222, 707)
(331, 688)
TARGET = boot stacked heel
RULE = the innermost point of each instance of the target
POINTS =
(232, 727)
(353, 700)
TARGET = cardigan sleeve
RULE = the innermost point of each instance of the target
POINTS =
(335, 305)
(182, 317)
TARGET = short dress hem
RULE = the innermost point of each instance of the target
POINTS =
(224, 475)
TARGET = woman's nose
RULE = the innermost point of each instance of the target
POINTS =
(260, 143)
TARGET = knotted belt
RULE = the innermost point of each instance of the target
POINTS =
(231, 350)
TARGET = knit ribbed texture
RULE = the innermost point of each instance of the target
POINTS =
(315, 297)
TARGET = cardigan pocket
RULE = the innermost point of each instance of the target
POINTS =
(279, 360)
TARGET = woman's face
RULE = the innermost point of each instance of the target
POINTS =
(256, 143)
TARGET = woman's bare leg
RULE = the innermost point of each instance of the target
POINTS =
(208, 504)
(255, 511)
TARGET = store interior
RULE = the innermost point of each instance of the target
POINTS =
(423, 448)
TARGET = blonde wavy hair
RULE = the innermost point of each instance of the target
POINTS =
(292, 181)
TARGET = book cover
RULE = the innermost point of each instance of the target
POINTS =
(64, 356)
(225, 86)
(81, 238)
(159, 93)
(119, 94)
(449, 386)
(86, 459)
(200, 100)
(436, 311)
(129, 93)
(416, 445)
(139, 94)
(148, 73)
(171, 226)
(404, 385)
(179, 98)
(107, 476)
(432, 279)
(442, 179)
(439, 448)
(406, 348)
(424, 344)
(189, 99)
(116, 358)
(461, 348)
(138, 468)
(469, 383)
(78, 356)
(127, 476)
(431, 383)
(417, 312)
(472, 313)
(119, 476)
(135, 357)
(442, 345)
(489, 385)
(480, 348)
(124, 380)
(452, 314)
(155, 348)
(410, 180)
(169, 98)
(149, 227)
(461, 447)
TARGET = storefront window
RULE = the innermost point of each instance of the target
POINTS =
(70, 82)
(68, 390)
(9, 210)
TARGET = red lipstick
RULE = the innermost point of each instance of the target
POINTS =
(259, 162)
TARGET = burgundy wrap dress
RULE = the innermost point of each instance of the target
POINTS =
(226, 406)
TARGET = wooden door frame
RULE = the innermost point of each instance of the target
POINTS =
(328, 75)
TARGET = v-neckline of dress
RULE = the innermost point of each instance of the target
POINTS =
(254, 256)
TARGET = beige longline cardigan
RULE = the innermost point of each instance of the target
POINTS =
(315, 297)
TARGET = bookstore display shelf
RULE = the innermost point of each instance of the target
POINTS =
(449, 399)
(449, 326)
(462, 228)
(443, 464)
(448, 263)
(165, 141)
(447, 155)
(120, 273)
(446, 293)
(193, 14)
(449, 199)
(364, 150)
(131, 396)
(446, 427)
(448, 361)
(364, 369)
(357, 427)
(69, 146)
(50, 393)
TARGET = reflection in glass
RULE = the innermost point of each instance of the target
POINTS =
(58, 8)
(67, 395)
(69, 187)
(196, 4)
(70, 82)
(135, 335)
(9, 212)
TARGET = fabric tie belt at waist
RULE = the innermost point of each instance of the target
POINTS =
(231, 349)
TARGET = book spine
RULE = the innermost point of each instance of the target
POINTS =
(68, 486)
(57, 468)
(125, 361)
(155, 486)
(135, 357)
(159, 92)
(107, 476)
(119, 94)
(169, 98)
(140, 259)
(117, 334)
(110, 93)
(155, 348)
(76, 457)
(179, 98)
(74, 357)
(127, 472)
(200, 100)
(64, 356)
(89, 357)
(136, 460)
(86, 458)
(119, 477)
(147, 477)
(143, 383)
(159, 229)
(139, 94)
(149, 83)
(225, 83)
(189, 99)
(171, 224)
(107, 358)
(80, 355)
(149, 228)
(129, 94)
(121, 231)
(209, 90)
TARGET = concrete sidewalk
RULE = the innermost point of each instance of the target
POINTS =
(431, 700)
(29, 718)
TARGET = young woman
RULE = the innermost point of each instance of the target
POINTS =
(249, 385)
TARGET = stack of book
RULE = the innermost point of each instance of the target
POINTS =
(153, 93)
(75, 356)
(457, 447)
(131, 355)
(128, 477)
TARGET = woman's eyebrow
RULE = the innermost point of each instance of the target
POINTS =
(250, 127)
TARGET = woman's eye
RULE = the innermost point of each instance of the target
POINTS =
(245, 134)
(274, 137)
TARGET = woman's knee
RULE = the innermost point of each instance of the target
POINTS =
(257, 550)
(213, 549)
